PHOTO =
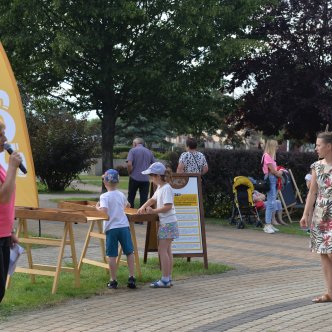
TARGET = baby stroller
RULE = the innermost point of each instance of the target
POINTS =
(243, 206)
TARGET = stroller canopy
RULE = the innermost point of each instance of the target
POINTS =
(243, 181)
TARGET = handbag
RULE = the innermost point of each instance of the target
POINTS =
(263, 185)
(200, 170)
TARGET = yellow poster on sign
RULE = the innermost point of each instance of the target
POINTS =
(186, 200)
(12, 114)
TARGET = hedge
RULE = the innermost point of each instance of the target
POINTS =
(224, 165)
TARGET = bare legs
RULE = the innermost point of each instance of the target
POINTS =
(279, 217)
(170, 255)
(114, 267)
(326, 260)
(166, 257)
(274, 221)
(131, 264)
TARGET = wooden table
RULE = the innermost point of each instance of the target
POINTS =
(98, 234)
(65, 216)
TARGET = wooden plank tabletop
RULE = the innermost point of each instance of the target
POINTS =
(89, 208)
(54, 214)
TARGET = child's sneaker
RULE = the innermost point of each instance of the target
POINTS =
(160, 284)
(112, 284)
(131, 282)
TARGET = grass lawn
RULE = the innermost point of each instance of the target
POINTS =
(85, 179)
(293, 228)
(96, 180)
(42, 189)
(56, 200)
(23, 295)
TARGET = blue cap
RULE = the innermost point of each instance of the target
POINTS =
(156, 168)
(111, 176)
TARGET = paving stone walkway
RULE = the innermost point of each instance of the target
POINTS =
(270, 290)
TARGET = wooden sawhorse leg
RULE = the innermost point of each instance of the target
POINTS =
(133, 238)
(23, 229)
(68, 230)
(101, 236)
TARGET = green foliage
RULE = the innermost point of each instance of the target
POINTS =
(172, 159)
(158, 155)
(123, 171)
(218, 204)
(292, 228)
(61, 147)
(287, 75)
(93, 129)
(122, 148)
(121, 155)
(151, 129)
(159, 59)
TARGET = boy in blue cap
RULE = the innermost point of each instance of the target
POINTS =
(116, 228)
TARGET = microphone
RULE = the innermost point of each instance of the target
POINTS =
(9, 149)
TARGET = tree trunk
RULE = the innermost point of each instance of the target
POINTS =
(108, 133)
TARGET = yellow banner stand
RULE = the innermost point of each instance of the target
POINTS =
(12, 114)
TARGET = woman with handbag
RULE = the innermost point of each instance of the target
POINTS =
(192, 161)
(271, 174)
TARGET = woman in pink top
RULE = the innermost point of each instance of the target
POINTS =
(270, 171)
(7, 202)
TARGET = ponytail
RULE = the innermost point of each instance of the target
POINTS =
(167, 177)
(326, 137)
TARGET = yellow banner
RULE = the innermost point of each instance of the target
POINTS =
(12, 114)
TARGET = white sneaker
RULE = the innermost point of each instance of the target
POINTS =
(268, 229)
(274, 228)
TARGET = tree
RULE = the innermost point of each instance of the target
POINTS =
(288, 74)
(125, 57)
(153, 131)
(211, 118)
(61, 147)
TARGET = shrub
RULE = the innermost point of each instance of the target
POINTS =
(172, 159)
(123, 171)
(61, 147)
(121, 148)
(121, 155)
(158, 155)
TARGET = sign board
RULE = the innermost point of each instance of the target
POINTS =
(12, 114)
(187, 207)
